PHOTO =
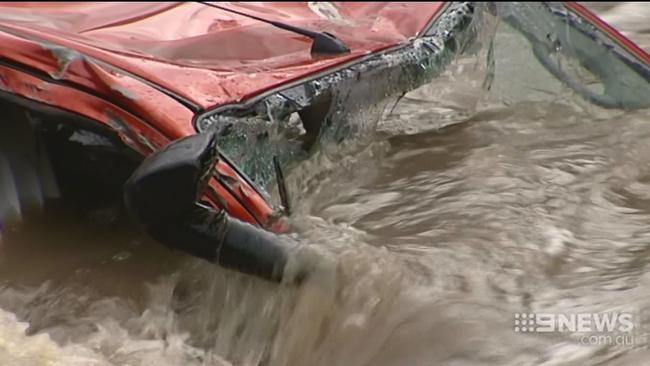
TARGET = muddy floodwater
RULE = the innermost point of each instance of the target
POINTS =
(430, 245)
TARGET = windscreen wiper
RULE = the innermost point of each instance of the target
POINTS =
(323, 42)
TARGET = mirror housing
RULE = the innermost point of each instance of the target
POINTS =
(168, 183)
(162, 195)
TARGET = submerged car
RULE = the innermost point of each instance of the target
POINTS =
(189, 112)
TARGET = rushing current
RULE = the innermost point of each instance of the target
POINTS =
(428, 245)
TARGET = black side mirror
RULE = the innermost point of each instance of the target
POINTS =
(168, 183)
(162, 194)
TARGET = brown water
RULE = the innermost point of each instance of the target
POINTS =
(426, 244)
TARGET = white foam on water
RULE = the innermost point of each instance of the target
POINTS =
(19, 349)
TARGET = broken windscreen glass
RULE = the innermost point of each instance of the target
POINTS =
(524, 52)
(336, 106)
(574, 51)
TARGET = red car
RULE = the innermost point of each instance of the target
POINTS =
(188, 111)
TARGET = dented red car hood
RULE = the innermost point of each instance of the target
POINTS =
(147, 69)
(204, 55)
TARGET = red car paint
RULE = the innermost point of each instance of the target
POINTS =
(121, 63)
(146, 69)
(207, 55)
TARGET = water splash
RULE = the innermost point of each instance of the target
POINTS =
(425, 244)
